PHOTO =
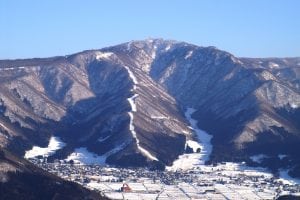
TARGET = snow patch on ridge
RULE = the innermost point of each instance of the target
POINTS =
(189, 161)
(273, 65)
(54, 144)
(10, 68)
(132, 103)
(103, 55)
(189, 54)
(168, 48)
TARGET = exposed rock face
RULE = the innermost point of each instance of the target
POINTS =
(84, 99)
(134, 95)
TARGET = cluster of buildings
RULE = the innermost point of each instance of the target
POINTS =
(224, 181)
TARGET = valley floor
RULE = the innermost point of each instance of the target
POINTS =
(187, 178)
(224, 181)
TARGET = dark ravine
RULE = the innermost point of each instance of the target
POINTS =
(250, 105)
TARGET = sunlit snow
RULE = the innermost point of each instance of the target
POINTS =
(189, 54)
(293, 105)
(158, 117)
(131, 75)
(203, 137)
(131, 101)
(10, 68)
(83, 156)
(54, 144)
(103, 55)
(168, 48)
(193, 144)
(189, 161)
(273, 65)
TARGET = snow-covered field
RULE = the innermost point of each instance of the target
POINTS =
(83, 156)
(55, 143)
(143, 190)
(224, 181)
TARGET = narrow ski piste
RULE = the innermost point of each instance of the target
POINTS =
(131, 101)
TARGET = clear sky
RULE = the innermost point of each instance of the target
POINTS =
(251, 28)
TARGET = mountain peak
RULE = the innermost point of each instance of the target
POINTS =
(120, 103)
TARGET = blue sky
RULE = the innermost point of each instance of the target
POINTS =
(251, 28)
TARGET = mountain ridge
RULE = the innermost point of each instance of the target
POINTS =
(246, 97)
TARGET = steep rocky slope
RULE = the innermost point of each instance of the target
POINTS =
(126, 103)
(20, 179)
(94, 99)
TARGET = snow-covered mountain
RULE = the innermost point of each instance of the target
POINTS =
(126, 104)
